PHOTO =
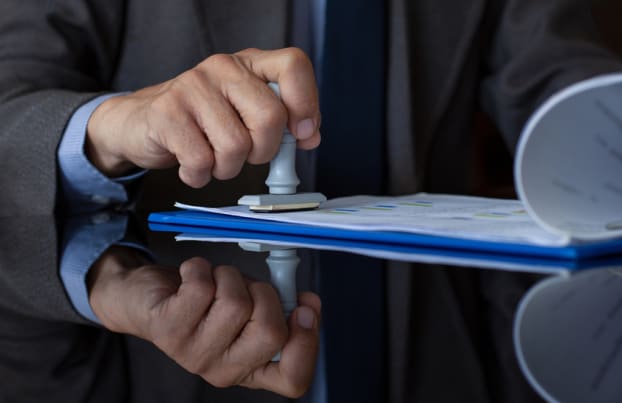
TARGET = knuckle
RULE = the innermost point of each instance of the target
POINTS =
(273, 337)
(296, 57)
(191, 78)
(239, 307)
(197, 161)
(208, 288)
(219, 61)
(202, 364)
(233, 151)
(196, 366)
(238, 144)
(229, 173)
(203, 290)
(166, 106)
(263, 290)
(272, 119)
(248, 51)
(225, 66)
(220, 380)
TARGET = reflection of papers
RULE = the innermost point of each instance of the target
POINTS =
(405, 253)
(568, 337)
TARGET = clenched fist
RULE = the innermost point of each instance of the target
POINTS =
(211, 321)
(210, 119)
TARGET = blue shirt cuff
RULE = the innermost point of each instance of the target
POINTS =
(84, 187)
(85, 239)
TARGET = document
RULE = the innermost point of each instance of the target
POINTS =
(568, 167)
(426, 214)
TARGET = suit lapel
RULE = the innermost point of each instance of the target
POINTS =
(233, 25)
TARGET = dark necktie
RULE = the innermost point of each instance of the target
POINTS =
(351, 156)
(350, 162)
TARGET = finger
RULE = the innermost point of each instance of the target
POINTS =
(293, 374)
(175, 130)
(311, 300)
(196, 293)
(265, 333)
(310, 143)
(229, 138)
(228, 314)
(263, 114)
(293, 71)
(194, 154)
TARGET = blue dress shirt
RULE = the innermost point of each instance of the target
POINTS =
(85, 189)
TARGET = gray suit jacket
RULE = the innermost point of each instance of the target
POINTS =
(447, 58)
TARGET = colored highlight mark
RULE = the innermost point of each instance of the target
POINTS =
(385, 205)
(492, 215)
(348, 210)
(417, 204)
(519, 212)
(376, 208)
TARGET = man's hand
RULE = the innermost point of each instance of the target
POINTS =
(211, 321)
(210, 119)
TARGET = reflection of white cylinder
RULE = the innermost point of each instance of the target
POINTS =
(283, 264)
(282, 178)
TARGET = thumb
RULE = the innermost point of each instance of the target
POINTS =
(293, 374)
(293, 71)
(299, 355)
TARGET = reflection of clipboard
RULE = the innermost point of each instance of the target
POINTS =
(193, 221)
(232, 229)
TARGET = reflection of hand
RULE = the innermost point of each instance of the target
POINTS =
(212, 321)
(211, 119)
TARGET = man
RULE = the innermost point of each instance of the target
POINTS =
(201, 102)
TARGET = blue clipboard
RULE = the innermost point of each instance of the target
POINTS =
(194, 221)
(551, 264)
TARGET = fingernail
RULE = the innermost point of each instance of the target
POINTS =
(305, 317)
(305, 129)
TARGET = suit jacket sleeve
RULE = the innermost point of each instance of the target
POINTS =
(538, 48)
(54, 56)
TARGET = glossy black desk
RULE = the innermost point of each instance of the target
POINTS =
(550, 326)
(436, 328)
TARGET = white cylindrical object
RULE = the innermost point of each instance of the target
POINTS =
(282, 178)
(283, 265)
